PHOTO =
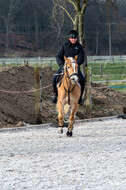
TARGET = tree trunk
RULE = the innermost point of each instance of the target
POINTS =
(80, 28)
(75, 24)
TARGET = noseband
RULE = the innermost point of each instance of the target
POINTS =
(74, 74)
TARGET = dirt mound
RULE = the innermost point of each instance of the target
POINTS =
(17, 101)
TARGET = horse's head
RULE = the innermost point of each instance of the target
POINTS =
(71, 69)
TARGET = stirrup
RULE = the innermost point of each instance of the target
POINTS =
(81, 101)
(54, 99)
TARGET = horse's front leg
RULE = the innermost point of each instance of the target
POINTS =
(60, 117)
(72, 119)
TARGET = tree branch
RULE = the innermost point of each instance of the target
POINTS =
(67, 13)
(85, 4)
(70, 1)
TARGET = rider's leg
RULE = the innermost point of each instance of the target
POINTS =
(82, 83)
(54, 85)
(55, 91)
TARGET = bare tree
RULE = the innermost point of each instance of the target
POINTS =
(111, 12)
(79, 8)
(57, 19)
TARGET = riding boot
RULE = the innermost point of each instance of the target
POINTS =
(54, 98)
(81, 100)
(55, 91)
(82, 83)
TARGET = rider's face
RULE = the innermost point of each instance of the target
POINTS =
(73, 40)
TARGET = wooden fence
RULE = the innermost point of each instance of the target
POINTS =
(115, 78)
(51, 61)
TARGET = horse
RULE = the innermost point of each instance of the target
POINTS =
(69, 91)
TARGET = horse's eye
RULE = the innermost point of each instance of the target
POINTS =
(68, 67)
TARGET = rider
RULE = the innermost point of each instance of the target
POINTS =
(70, 49)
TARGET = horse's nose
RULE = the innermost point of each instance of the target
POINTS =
(74, 79)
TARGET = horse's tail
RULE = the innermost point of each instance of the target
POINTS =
(66, 108)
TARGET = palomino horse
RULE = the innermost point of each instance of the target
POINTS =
(69, 91)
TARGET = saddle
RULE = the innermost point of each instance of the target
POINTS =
(59, 78)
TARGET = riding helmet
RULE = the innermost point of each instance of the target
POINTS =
(73, 34)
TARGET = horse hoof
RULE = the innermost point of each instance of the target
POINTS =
(60, 130)
(69, 134)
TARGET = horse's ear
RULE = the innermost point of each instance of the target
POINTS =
(66, 59)
(75, 58)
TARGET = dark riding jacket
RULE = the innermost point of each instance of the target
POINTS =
(70, 50)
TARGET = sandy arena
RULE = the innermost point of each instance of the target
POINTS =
(38, 158)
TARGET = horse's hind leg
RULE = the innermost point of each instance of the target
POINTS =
(71, 120)
(60, 118)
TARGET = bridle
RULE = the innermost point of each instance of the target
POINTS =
(74, 74)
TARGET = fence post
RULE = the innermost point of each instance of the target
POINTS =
(3, 65)
(101, 70)
(16, 61)
(51, 64)
(40, 93)
(88, 102)
(39, 60)
(26, 63)
(37, 97)
(113, 60)
(107, 80)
